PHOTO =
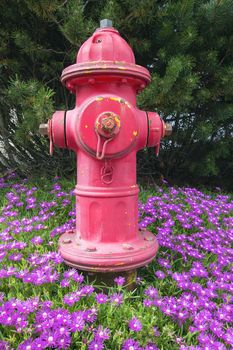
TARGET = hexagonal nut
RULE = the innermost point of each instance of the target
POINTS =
(44, 129)
(108, 124)
(168, 129)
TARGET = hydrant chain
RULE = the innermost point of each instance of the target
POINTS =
(107, 173)
(100, 155)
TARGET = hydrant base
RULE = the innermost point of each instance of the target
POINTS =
(108, 257)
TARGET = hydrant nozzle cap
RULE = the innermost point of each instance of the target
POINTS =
(105, 23)
(168, 129)
(44, 129)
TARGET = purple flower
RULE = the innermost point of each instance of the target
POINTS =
(70, 299)
(135, 325)
(138, 280)
(160, 274)
(78, 321)
(4, 345)
(26, 345)
(156, 332)
(37, 240)
(70, 273)
(49, 338)
(130, 344)
(63, 342)
(74, 275)
(96, 345)
(15, 257)
(165, 263)
(90, 315)
(116, 298)
(151, 292)
(65, 283)
(87, 290)
(101, 333)
(101, 298)
(119, 280)
(78, 278)
(147, 302)
(151, 346)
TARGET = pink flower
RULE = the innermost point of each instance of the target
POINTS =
(135, 325)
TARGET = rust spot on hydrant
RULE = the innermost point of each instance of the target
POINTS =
(149, 238)
(91, 249)
(126, 246)
(70, 231)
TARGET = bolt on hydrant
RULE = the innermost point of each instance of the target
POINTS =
(106, 129)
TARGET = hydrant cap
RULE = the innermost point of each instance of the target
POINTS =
(105, 53)
(105, 44)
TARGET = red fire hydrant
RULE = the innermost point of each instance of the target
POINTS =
(106, 130)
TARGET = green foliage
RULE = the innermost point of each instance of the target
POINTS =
(34, 102)
(186, 44)
(75, 26)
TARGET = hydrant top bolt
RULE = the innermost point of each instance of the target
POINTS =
(105, 23)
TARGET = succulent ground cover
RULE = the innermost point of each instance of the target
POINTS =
(183, 300)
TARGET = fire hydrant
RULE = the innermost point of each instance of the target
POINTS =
(106, 130)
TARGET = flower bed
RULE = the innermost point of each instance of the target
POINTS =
(183, 300)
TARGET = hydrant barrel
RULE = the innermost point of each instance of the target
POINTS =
(106, 130)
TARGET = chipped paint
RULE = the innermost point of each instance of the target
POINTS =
(148, 238)
(99, 98)
(115, 99)
(70, 231)
(86, 126)
(127, 246)
(66, 241)
(135, 133)
(91, 249)
(118, 122)
(119, 264)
